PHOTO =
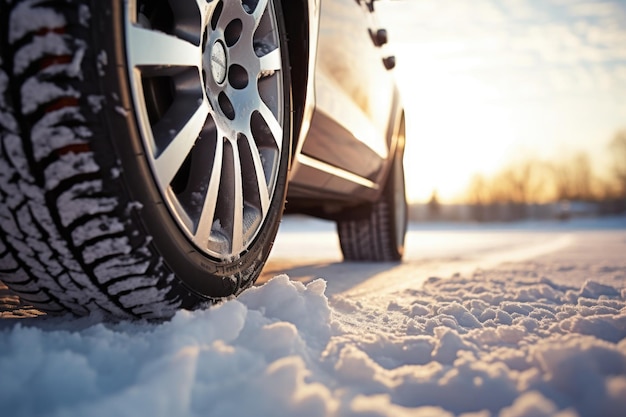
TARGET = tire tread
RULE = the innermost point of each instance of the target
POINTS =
(369, 238)
(52, 186)
(372, 236)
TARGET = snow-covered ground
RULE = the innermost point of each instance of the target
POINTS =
(497, 321)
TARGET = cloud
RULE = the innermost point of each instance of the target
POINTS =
(523, 48)
(597, 9)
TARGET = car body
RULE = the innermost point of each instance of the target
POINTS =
(352, 108)
(148, 146)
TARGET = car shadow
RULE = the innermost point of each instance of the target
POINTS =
(339, 276)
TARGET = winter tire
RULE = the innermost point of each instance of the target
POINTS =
(376, 232)
(144, 150)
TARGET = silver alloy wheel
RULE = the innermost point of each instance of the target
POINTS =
(207, 84)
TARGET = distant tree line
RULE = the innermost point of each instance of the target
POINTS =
(531, 181)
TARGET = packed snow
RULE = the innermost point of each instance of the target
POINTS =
(542, 336)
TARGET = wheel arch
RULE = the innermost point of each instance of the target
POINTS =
(396, 136)
(299, 44)
(401, 132)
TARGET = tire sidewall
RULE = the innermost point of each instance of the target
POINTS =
(400, 208)
(395, 197)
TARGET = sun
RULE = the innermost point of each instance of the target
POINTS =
(456, 127)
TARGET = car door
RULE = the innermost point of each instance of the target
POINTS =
(354, 92)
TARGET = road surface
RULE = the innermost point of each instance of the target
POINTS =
(307, 249)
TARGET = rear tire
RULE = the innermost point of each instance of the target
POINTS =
(92, 219)
(376, 233)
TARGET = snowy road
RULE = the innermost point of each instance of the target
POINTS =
(527, 320)
(441, 252)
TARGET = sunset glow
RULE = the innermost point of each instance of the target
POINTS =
(487, 82)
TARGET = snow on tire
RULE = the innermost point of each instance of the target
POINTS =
(82, 225)
(51, 185)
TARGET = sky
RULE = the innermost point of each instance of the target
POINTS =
(487, 82)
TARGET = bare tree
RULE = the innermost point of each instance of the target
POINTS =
(618, 152)
(522, 183)
(434, 207)
(562, 180)
(478, 197)
(478, 192)
(583, 177)
(574, 179)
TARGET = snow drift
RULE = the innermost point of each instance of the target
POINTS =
(506, 342)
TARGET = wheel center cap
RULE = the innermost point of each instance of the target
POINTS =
(218, 62)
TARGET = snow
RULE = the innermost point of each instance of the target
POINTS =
(541, 336)
(25, 21)
(52, 44)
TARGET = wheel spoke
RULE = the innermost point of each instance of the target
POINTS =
(207, 216)
(237, 236)
(264, 192)
(204, 8)
(231, 10)
(258, 12)
(271, 61)
(153, 48)
(272, 123)
(171, 159)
